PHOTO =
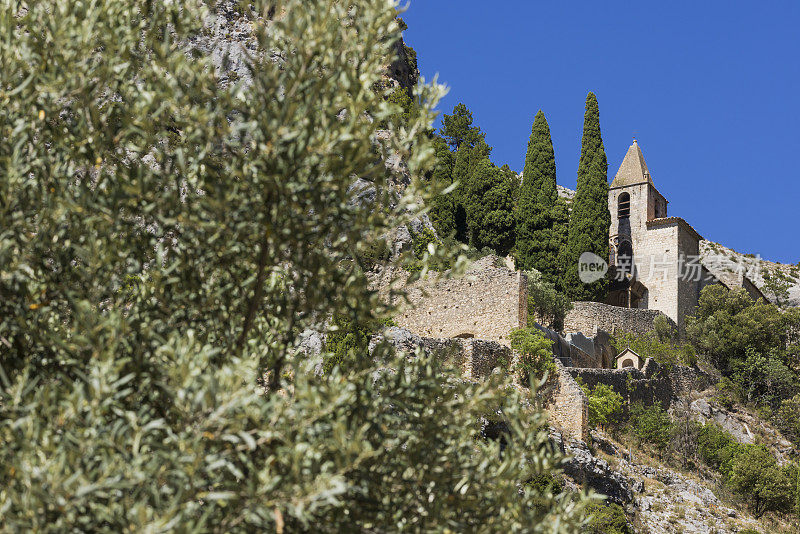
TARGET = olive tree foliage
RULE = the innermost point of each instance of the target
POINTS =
(163, 240)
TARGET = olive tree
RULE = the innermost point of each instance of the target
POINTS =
(164, 238)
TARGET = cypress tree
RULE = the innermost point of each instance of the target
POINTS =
(443, 207)
(461, 174)
(514, 183)
(539, 219)
(590, 218)
(489, 205)
(467, 159)
(560, 231)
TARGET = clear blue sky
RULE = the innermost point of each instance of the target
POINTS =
(709, 88)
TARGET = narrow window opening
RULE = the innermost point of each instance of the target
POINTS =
(624, 206)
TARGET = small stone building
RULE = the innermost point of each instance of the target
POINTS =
(628, 358)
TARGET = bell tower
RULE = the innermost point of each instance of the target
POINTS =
(633, 201)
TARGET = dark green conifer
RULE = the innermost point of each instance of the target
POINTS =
(443, 207)
(590, 218)
(513, 180)
(458, 130)
(540, 217)
(489, 205)
(467, 145)
(467, 160)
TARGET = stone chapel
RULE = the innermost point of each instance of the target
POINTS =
(655, 258)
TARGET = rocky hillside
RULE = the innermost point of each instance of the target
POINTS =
(566, 194)
(759, 270)
(658, 497)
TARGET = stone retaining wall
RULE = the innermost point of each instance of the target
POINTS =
(486, 303)
(476, 357)
(591, 317)
(567, 406)
(564, 400)
(653, 383)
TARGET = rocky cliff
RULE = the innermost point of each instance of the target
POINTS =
(758, 270)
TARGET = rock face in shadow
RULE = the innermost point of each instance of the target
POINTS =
(585, 468)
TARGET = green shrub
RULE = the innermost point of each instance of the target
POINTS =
(728, 393)
(535, 354)
(605, 405)
(420, 246)
(347, 341)
(716, 447)
(651, 425)
(763, 379)
(777, 286)
(728, 323)
(374, 253)
(756, 477)
(546, 305)
(546, 486)
(607, 519)
(404, 107)
(787, 418)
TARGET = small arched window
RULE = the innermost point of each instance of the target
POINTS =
(627, 363)
(624, 206)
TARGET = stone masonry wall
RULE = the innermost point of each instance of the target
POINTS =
(564, 400)
(486, 303)
(688, 285)
(653, 383)
(567, 407)
(589, 317)
(475, 357)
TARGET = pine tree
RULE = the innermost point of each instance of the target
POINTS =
(590, 218)
(539, 217)
(458, 130)
(467, 144)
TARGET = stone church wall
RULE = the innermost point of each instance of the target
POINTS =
(688, 284)
(655, 253)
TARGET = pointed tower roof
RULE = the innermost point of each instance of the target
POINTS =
(633, 169)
